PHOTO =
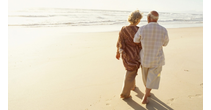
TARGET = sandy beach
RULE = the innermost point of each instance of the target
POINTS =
(54, 69)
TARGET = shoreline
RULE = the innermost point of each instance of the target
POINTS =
(86, 29)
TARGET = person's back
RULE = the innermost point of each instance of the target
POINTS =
(129, 52)
(153, 37)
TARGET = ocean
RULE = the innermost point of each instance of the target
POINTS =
(94, 20)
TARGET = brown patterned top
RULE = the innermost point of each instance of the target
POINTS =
(130, 53)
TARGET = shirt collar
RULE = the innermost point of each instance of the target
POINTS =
(153, 23)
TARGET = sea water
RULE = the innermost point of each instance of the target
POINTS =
(83, 20)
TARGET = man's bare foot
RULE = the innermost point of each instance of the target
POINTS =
(145, 100)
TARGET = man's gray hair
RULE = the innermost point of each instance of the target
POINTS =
(153, 17)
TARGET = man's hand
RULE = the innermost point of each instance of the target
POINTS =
(117, 55)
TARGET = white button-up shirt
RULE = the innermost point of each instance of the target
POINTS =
(152, 37)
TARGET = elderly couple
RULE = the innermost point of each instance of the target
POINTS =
(142, 47)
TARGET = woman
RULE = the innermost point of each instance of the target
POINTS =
(130, 52)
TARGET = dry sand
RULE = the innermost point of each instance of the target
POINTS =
(53, 69)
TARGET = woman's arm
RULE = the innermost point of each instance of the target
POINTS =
(120, 44)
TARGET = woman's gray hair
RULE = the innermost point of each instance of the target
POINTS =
(134, 17)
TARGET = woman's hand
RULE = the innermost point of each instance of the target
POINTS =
(117, 55)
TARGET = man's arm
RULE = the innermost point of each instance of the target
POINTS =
(166, 39)
(137, 37)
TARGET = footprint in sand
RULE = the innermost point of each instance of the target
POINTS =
(170, 101)
(195, 96)
(201, 85)
(108, 102)
(186, 70)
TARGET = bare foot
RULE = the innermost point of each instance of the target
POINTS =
(125, 97)
(149, 95)
(133, 88)
(145, 100)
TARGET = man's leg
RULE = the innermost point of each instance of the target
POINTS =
(147, 93)
(153, 78)
(144, 77)
(152, 82)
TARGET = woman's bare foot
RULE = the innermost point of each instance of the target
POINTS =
(125, 97)
(133, 88)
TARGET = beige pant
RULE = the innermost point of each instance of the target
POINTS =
(129, 83)
(151, 77)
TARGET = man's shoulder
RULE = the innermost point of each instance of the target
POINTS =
(142, 27)
(148, 26)
(162, 27)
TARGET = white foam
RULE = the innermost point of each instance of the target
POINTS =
(79, 18)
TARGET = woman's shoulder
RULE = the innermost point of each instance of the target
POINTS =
(128, 27)
(123, 27)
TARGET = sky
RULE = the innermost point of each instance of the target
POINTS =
(145, 5)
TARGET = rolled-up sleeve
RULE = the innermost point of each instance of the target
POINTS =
(137, 37)
(166, 39)
(120, 43)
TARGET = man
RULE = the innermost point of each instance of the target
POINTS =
(152, 37)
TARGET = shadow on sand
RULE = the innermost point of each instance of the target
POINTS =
(154, 102)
